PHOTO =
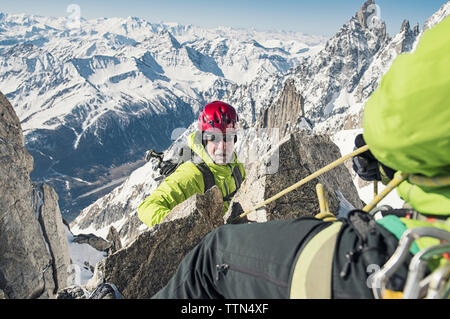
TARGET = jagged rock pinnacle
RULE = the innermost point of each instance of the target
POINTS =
(405, 26)
(369, 16)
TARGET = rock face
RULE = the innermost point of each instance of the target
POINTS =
(34, 253)
(146, 265)
(280, 114)
(97, 242)
(114, 238)
(54, 234)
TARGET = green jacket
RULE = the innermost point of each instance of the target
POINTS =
(407, 127)
(407, 119)
(186, 181)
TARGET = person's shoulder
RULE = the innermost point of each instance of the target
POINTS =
(186, 170)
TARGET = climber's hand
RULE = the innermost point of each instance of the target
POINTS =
(365, 164)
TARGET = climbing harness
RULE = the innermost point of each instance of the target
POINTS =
(312, 273)
(413, 285)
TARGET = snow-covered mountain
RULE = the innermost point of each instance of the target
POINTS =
(333, 84)
(92, 99)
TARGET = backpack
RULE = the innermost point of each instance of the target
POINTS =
(185, 153)
(362, 245)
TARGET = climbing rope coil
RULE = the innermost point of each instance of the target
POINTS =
(437, 284)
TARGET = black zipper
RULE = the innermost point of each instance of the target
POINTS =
(353, 256)
(224, 268)
(350, 257)
(221, 269)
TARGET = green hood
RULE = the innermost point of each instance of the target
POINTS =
(407, 119)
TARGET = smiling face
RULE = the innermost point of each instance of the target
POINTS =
(220, 147)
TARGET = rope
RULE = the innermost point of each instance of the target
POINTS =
(413, 178)
(305, 180)
(400, 177)
(325, 213)
(437, 181)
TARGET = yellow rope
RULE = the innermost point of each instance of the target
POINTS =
(325, 213)
(323, 205)
(437, 181)
(399, 177)
(305, 180)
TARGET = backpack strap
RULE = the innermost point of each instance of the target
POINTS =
(237, 175)
(208, 177)
(362, 223)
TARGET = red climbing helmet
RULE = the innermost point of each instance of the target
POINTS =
(217, 115)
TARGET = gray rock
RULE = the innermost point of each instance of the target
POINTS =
(280, 114)
(54, 233)
(114, 238)
(96, 242)
(299, 156)
(33, 246)
(72, 292)
(142, 268)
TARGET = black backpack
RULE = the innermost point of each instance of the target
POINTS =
(362, 244)
(185, 153)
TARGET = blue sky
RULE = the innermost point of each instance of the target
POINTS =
(321, 17)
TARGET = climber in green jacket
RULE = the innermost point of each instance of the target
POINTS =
(406, 125)
(212, 144)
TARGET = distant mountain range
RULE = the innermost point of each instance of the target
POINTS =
(92, 99)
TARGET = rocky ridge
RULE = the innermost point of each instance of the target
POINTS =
(33, 245)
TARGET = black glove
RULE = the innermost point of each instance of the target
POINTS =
(365, 164)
